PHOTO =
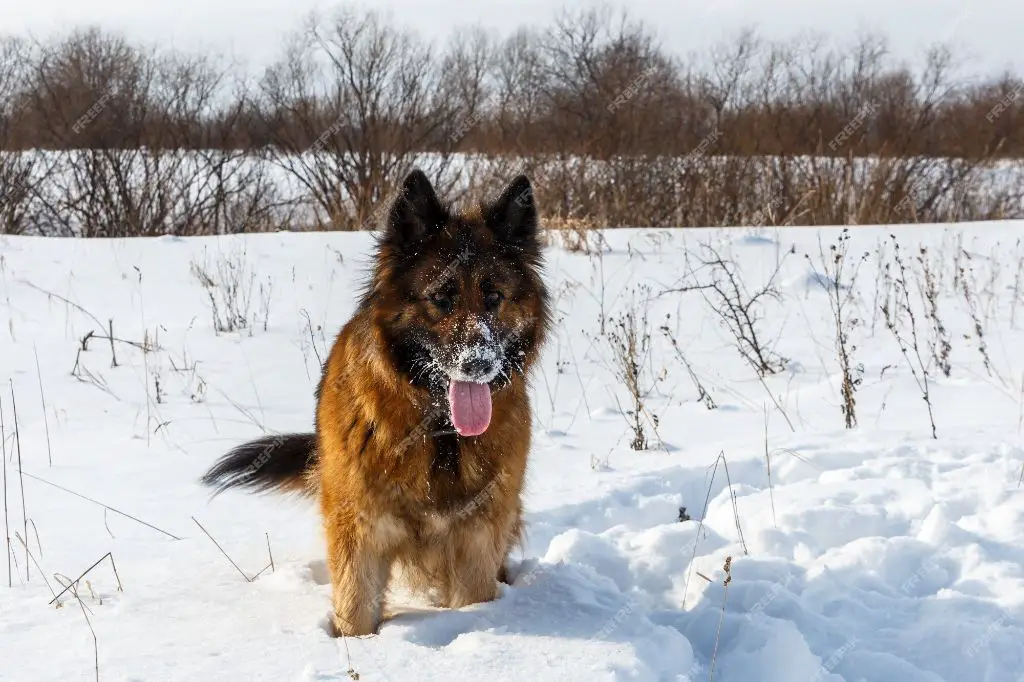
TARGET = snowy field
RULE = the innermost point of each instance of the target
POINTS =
(877, 554)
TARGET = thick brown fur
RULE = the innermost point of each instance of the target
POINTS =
(398, 488)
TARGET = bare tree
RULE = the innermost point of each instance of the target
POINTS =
(350, 106)
(19, 168)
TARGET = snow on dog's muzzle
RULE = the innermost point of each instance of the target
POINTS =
(469, 392)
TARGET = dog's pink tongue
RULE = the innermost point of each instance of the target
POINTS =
(470, 406)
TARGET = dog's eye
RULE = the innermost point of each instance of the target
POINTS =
(492, 299)
(442, 300)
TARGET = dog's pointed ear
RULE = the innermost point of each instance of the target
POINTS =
(416, 212)
(513, 215)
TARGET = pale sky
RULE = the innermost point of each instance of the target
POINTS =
(988, 33)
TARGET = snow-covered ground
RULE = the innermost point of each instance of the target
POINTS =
(873, 554)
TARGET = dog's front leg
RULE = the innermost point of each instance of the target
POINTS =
(359, 567)
(478, 552)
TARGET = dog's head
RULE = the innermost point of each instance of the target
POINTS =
(458, 295)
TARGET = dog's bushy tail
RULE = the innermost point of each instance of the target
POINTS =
(283, 463)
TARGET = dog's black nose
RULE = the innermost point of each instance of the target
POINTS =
(476, 367)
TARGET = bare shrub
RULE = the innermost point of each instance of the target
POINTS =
(629, 338)
(738, 308)
(229, 284)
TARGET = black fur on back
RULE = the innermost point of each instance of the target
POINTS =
(266, 464)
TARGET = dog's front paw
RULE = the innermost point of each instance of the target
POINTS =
(342, 627)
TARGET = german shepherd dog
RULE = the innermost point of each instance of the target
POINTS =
(423, 413)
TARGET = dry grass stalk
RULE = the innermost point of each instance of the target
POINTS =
(721, 459)
(100, 504)
(910, 348)
(703, 394)
(7, 523)
(29, 555)
(838, 277)
(727, 568)
(21, 479)
(72, 583)
(226, 556)
(42, 398)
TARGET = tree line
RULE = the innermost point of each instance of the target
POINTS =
(102, 136)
